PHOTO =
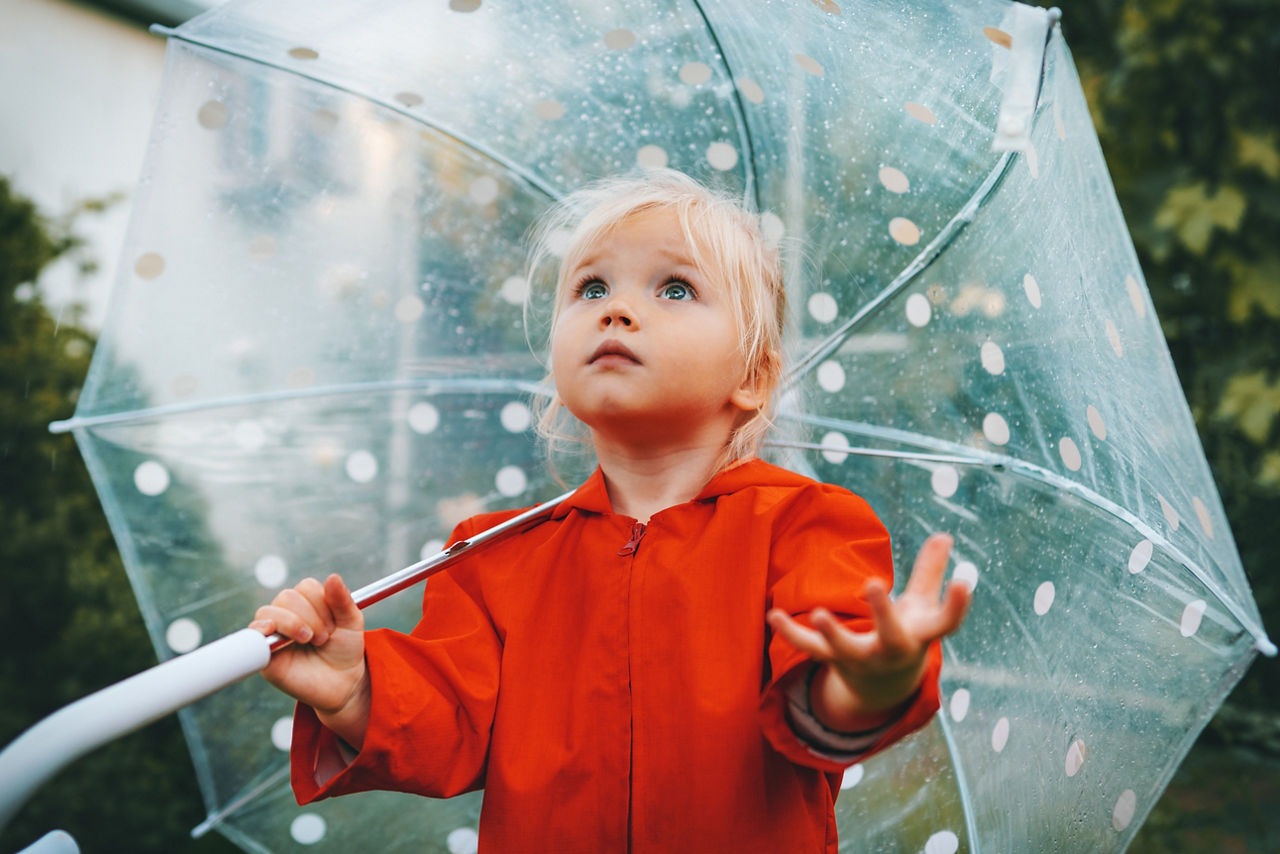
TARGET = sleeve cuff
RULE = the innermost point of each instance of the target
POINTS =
(845, 748)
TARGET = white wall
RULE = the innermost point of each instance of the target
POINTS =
(77, 91)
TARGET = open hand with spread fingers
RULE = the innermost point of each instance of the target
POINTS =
(870, 673)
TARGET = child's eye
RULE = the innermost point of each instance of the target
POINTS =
(676, 290)
(592, 289)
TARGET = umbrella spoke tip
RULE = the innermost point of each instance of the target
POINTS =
(1266, 647)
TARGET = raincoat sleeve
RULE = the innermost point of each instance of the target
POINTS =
(826, 544)
(434, 694)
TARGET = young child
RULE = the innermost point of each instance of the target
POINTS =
(694, 647)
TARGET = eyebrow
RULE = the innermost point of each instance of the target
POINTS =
(678, 257)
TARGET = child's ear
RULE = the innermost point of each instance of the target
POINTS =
(752, 394)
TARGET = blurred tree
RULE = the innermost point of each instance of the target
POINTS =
(1183, 95)
(70, 624)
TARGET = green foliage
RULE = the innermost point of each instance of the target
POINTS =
(1183, 96)
(69, 621)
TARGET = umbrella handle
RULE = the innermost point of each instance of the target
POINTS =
(44, 749)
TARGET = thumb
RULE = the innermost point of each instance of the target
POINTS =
(346, 615)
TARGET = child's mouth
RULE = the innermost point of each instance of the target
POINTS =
(613, 351)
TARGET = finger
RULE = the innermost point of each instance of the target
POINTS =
(313, 591)
(930, 567)
(806, 640)
(845, 643)
(892, 633)
(285, 622)
(949, 616)
(298, 613)
(346, 614)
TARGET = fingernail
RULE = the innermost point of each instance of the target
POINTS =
(304, 634)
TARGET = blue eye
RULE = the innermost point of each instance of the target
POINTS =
(676, 291)
(594, 289)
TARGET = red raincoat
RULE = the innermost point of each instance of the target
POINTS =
(614, 687)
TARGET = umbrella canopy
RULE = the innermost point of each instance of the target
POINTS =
(320, 353)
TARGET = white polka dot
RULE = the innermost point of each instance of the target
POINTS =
(558, 241)
(966, 573)
(651, 157)
(511, 480)
(484, 190)
(695, 73)
(409, 309)
(619, 39)
(1075, 757)
(772, 228)
(464, 840)
(282, 733)
(894, 180)
(1000, 735)
(1032, 290)
(423, 418)
(823, 307)
(515, 290)
(993, 358)
(1096, 424)
(430, 548)
(1113, 335)
(834, 443)
(1126, 806)
(1135, 296)
(945, 480)
(722, 156)
(149, 265)
(271, 570)
(1191, 617)
(809, 64)
(212, 115)
(1202, 515)
(1140, 556)
(183, 635)
(750, 90)
(831, 376)
(904, 231)
(308, 828)
(549, 109)
(151, 478)
(959, 705)
(942, 842)
(362, 466)
(1070, 454)
(995, 428)
(919, 312)
(852, 776)
(920, 112)
(249, 436)
(1170, 515)
(515, 417)
(464, 5)
(1044, 598)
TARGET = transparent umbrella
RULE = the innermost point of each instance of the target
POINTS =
(321, 350)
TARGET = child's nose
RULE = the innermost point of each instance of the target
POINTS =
(617, 313)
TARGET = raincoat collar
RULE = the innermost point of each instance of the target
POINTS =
(593, 497)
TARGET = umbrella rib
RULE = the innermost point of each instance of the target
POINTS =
(340, 390)
(216, 818)
(962, 786)
(462, 139)
(1048, 477)
(752, 189)
(918, 265)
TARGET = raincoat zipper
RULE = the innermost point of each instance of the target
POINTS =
(637, 534)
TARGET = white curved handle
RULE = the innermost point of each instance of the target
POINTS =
(49, 745)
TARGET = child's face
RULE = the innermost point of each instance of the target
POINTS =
(645, 341)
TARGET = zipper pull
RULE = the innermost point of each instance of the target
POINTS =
(637, 534)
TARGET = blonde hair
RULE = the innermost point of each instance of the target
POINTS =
(728, 247)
